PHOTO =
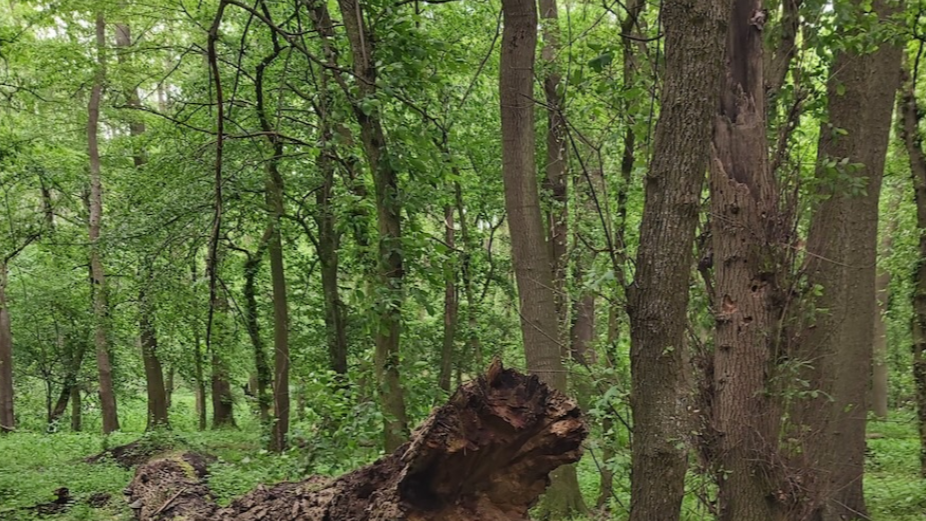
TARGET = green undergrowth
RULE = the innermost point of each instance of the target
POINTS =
(33, 466)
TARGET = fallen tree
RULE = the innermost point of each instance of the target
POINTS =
(484, 455)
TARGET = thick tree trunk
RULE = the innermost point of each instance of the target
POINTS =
(388, 206)
(745, 229)
(223, 414)
(657, 305)
(485, 455)
(100, 312)
(912, 116)
(844, 228)
(451, 304)
(842, 254)
(7, 418)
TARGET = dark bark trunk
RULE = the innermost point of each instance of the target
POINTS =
(198, 373)
(222, 400)
(76, 409)
(473, 347)
(842, 254)
(451, 303)
(912, 116)
(530, 254)
(695, 32)
(276, 210)
(747, 261)
(169, 385)
(7, 418)
(100, 312)
(154, 374)
(483, 456)
(388, 206)
(73, 362)
(263, 378)
(555, 182)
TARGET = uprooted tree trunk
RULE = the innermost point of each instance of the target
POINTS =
(484, 455)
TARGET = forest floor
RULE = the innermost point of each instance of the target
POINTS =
(33, 466)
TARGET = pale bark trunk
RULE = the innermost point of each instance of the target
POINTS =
(842, 246)
(7, 418)
(912, 116)
(386, 184)
(530, 254)
(658, 300)
(100, 311)
(744, 232)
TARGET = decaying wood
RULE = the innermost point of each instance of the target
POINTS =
(484, 455)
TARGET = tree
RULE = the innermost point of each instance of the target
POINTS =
(695, 32)
(842, 253)
(98, 274)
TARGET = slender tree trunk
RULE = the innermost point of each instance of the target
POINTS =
(388, 206)
(451, 304)
(912, 116)
(530, 254)
(7, 418)
(329, 238)
(100, 312)
(72, 370)
(199, 374)
(154, 375)
(169, 385)
(695, 32)
(251, 312)
(76, 408)
(880, 369)
(745, 224)
(222, 401)
(842, 248)
(555, 182)
(473, 349)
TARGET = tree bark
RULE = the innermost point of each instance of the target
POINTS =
(842, 255)
(100, 311)
(388, 206)
(451, 304)
(485, 455)
(657, 305)
(530, 253)
(251, 312)
(154, 375)
(7, 418)
(880, 369)
(911, 117)
(745, 236)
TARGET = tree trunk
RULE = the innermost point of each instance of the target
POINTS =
(658, 300)
(154, 374)
(100, 312)
(76, 408)
(912, 116)
(745, 228)
(880, 369)
(842, 254)
(451, 304)
(251, 312)
(485, 455)
(388, 206)
(7, 418)
(198, 357)
(555, 182)
(222, 401)
(530, 253)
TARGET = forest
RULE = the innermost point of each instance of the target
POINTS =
(337, 260)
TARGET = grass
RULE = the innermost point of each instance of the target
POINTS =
(33, 465)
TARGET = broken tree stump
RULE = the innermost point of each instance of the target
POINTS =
(485, 455)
